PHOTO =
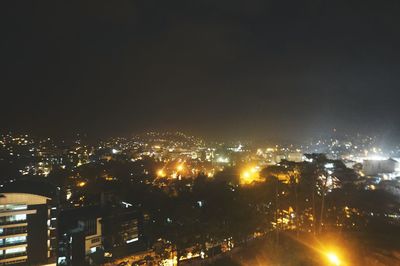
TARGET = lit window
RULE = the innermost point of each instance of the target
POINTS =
(62, 260)
(15, 240)
(16, 207)
(15, 250)
(13, 218)
(13, 207)
(20, 217)
(132, 240)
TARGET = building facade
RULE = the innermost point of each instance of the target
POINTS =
(80, 237)
(27, 229)
(93, 235)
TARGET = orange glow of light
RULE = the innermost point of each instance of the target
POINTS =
(81, 184)
(333, 258)
(180, 168)
(161, 173)
(250, 175)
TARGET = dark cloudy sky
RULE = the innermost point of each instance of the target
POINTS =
(212, 67)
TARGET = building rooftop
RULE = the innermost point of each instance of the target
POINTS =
(36, 187)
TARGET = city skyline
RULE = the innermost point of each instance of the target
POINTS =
(170, 133)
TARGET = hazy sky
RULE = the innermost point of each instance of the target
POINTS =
(249, 68)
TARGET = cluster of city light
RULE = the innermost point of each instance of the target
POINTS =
(179, 169)
(182, 169)
(223, 160)
(250, 174)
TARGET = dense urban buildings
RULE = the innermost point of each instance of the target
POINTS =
(164, 198)
(187, 133)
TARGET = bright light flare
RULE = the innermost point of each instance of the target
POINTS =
(180, 168)
(333, 258)
(250, 175)
(161, 173)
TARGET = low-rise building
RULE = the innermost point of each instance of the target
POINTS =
(90, 235)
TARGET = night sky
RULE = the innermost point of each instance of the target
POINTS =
(218, 68)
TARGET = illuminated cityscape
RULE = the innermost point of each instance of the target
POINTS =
(200, 133)
(179, 197)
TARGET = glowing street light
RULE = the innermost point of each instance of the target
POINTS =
(246, 175)
(161, 173)
(180, 168)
